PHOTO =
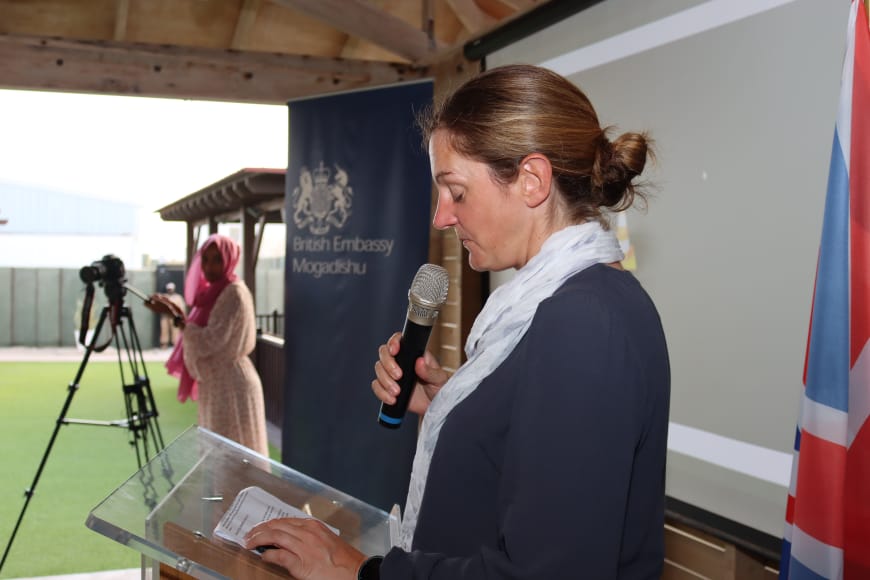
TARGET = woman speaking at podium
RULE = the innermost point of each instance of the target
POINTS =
(543, 456)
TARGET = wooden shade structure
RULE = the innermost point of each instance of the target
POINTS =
(249, 197)
(256, 51)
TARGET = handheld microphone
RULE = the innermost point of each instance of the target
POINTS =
(425, 298)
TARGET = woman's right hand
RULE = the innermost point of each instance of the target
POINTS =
(157, 304)
(161, 304)
(430, 377)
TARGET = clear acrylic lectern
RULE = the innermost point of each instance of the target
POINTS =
(169, 508)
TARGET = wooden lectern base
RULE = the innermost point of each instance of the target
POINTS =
(167, 573)
(226, 558)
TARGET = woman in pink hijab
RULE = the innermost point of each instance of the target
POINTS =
(211, 357)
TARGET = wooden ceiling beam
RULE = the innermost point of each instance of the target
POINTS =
(471, 16)
(362, 19)
(122, 8)
(521, 5)
(43, 63)
(245, 22)
(428, 18)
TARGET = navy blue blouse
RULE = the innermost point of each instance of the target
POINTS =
(555, 466)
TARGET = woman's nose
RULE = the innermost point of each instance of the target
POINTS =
(444, 217)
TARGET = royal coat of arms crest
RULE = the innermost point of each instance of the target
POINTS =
(321, 200)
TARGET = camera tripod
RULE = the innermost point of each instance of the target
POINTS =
(141, 412)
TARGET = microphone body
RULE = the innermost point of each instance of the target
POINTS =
(425, 298)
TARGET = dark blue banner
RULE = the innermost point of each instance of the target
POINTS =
(357, 214)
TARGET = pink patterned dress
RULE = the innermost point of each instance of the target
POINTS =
(230, 392)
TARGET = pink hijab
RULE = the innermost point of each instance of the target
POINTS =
(201, 295)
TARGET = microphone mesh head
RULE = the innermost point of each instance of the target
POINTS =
(430, 284)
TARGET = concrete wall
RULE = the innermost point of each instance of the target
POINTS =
(41, 306)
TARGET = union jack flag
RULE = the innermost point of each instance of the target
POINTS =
(827, 532)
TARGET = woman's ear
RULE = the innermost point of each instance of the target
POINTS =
(535, 178)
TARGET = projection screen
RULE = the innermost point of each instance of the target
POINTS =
(741, 98)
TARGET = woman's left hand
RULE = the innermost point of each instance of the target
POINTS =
(306, 548)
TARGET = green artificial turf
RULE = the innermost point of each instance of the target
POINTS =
(85, 464)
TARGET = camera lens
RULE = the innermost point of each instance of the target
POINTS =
(92, 273)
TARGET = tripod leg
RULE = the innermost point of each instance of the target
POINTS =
(157, 436)
(61, 420)
(141, 409)
(132, 391)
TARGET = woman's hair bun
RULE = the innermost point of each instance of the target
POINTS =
(617, 163)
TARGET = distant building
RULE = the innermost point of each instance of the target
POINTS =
(50, 228)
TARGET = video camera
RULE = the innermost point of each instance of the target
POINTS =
(109, 273)
(110, 268)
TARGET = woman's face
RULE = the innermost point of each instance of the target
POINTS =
(487, 216)
(212, 263)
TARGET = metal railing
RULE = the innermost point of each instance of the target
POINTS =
(272, 324)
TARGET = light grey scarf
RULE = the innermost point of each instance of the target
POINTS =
(497, 330)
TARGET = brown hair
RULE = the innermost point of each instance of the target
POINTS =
(504, 114)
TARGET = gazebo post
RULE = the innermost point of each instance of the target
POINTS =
(249, 249)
